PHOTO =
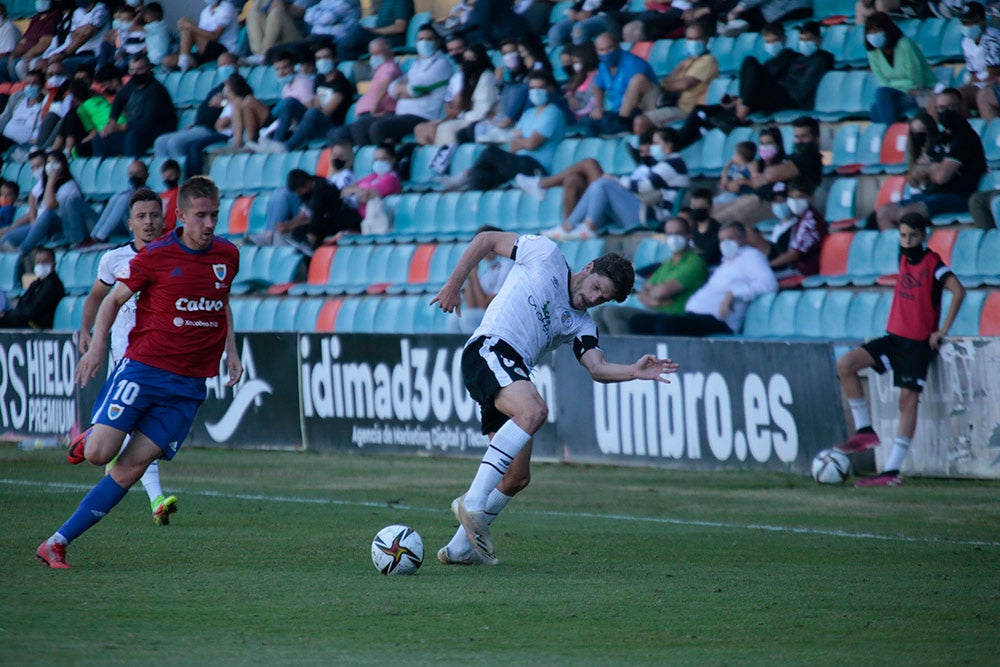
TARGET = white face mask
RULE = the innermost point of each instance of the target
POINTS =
(798, 206)
(676, 243)
(729, 248)
(37, 173)
(381, 167)
(511, 60)
(43, 270)
(52, 167)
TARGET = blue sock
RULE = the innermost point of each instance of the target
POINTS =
(101, 499)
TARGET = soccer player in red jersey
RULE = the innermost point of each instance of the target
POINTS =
(911, 344)
(183, 325)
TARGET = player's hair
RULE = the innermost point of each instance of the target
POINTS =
(196, 187)
(619, 271)
(916, 221)
(143, 194)
(746, 150)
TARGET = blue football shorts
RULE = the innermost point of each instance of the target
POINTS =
(157, 403)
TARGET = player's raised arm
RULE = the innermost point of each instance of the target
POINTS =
(91, 362)
(646, 367)
(449, 297)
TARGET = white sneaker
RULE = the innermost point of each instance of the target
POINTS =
(254, 60)
(557, 233)
(473, 558)
(579, 233)
(531, 185)
(267, 145)
(477, 529)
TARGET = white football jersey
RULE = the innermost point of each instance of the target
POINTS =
(114, 265)
(532, 311)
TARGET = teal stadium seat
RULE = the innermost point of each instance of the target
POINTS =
(713, 154)
(833, 319)
(421, 175)
(465, 155)
(722, 48)
(965, 255)
(840, 200)
(252, 179)
(258, 214)
(565, 154)
(854, 54)
(929, 38)
(988, 264)
(364, 156)
(781, 323)
(364, 316)
(807, 320)
(387, 315)
(265, 314)
(861, 314)
(967, 321)
(845, 149)
(756, 324)
(284, 315)
(991, 143)
(870, 145)
(307, 313)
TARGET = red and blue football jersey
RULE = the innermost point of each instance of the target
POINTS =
(180, 323)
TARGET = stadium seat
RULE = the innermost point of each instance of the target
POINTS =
(284, 315)
(364, 316)
(257, 216)
(840, 201)
(835, 39)
(387, 315)
(833, 319)
(650, 252)
(243, 312)
(322, 167)
(840, 95)
(781, 322)
(989, 319)
(891, 190)
(892, 158)
(713, 154)
(565, 154)
(396, 268)
(239, 216)
(854, 55)
(832, 258)
(265, 313)
(807, 320)
(861, 315)
(859, 260)
(275, 170)
(421, 176)
(327, 316)
(964, 260)
(488, 211)
(659, 57)
(845, 149)
(642, 50)
(942, 241)
(320, 267)
(463, 157)
(757, 321)
(364, 156)
(991, 143)
(722, 48)
(306, 313)
(967, 321)
(988, 267)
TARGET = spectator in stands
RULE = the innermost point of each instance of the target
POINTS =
(37, 38)
(787, 79)
(480, 288)
(36, 162)
(170, 174)
(981, 208)
(62, 207)
(981, 48)
(146, 108)
(121, 42)
(579, 89)
(88, 23)
(382, 182)
(625, 87)
(646, 197)
(155, 29)
(328, 21)
(657, 21)
(805, 162)
(188, 144)
(913, 340)
(376, 102)
(738, 174)
(704, 228)
(215, 33)
(22, 116)
(475, 98)
(793, 245)
(328, 109)
(720, 305)
(114, 217)
(586, 20)
(419, 93)
(9, 192)
(535, 17)
(668, 288)
(685, 86)
(947, 170)
(494, 21)
(243, 115)
(273, 22)
(512, 76)
(36, 308)
(298, 92)
(321, 213)
(532, 148)
(10, 35)
(391, 23)
(905, 76)
(754, 15)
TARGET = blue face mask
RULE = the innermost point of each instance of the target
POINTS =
(808, 48)
(426, 48)
(31, 92)
(773, 48)
(694, 47)
(376, 61)
(876, 39)
(657, 153)
(611, 58)
(324, 66)
(973, 32)
(538, 96)
(223, 72)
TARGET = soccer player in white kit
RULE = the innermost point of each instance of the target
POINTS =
(541, 305)
(145, 221)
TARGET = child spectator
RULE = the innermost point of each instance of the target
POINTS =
(738, 173)
(157, 35)
(9, 192)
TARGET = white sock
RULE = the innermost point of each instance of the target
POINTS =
(460, 545)
(860, 412)
(151, 481)
(57, 538)
(507, 442)
(900, 446)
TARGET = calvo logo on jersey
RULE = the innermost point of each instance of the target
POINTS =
(220, 271)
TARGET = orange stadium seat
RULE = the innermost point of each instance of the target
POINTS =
(942, 242)
(989, 319)
(327, 320)
(891, 190)
(323, 163)
(239, 216)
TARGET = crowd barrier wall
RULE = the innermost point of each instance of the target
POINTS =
(735, 404)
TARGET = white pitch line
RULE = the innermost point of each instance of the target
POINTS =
(63, 487)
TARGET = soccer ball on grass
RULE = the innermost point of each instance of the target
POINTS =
(831, 467)
(397, 550)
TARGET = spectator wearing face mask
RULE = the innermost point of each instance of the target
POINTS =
(147, 110)
(945, 172)
(114, 217)
(22, 117)
(905, 76)
(794, 244)
(669, 285)
(36, 308)
(88, 23)
(376, 102)
(37, 37)
(9, 192)
(36, 162)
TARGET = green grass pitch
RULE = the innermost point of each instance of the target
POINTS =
(267, 562)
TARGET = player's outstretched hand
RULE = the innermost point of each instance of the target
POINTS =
(449, 299)
(235, 367)
(648, 367)
(87, 367)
